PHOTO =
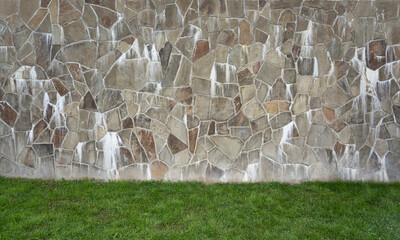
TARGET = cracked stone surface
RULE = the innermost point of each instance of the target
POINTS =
(200, 90)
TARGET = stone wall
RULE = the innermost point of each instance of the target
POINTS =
(208, 90)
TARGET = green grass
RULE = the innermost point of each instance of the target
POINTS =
(36, 209)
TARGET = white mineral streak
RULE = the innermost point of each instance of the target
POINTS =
(59, 116)
(46, 102)
(116, 28)
(213, 77)
(288, 92)
(146, 172)
(30, 134)
(309, 116)
(185, 119)
(79, 150)
(3, 53)
(251, 172)
(48, 39)
(287, 133)
(153, 68)
(315, 72)
(309, 34)
(111, 143)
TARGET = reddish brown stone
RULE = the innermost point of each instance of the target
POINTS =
(238, 103)
(61, 89)
(202, 48)
(106, 17)
(39, 127)
(211, 129)
(104, 3)
(147, 141)
(329, 114)
(193, 139)
(127, 123)
(375, 54)
(44, 3)
(207, 7)
(339, 149)
(260, 36)
(338, 126)
(222, 128)
(284, 106)
(176, 145)
(171, 105)
(341, 69)
(8, 114)
(138, 152)
(256, 67)
(296, 52)
(245, 77)
(49, 113)
(227, 37)
(67, 13)
(239, 120)
(75, 71)
(184, 95)
(58, 136)
(158, 170)
(272, 107)
(126, 157)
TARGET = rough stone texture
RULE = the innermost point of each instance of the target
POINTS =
(205, 90)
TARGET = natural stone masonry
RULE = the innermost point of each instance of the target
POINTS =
(205, 90)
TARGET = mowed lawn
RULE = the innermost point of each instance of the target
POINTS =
(36, 209)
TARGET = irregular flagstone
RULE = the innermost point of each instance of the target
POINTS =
(165, 54)
(228, 145)
(88, 103)
(221, 109)
(58, 136)
(7, 114)
(175, 144)
(376, 54)
(193, 139)
(218, 158)
(137, 150)
(147, 141)
(82, 52)
(268, 73)
(201, 49)
(158, 170)
(9, 7)
(128, 74)
(321, 135)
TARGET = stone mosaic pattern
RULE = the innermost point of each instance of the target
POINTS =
(206, 90)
